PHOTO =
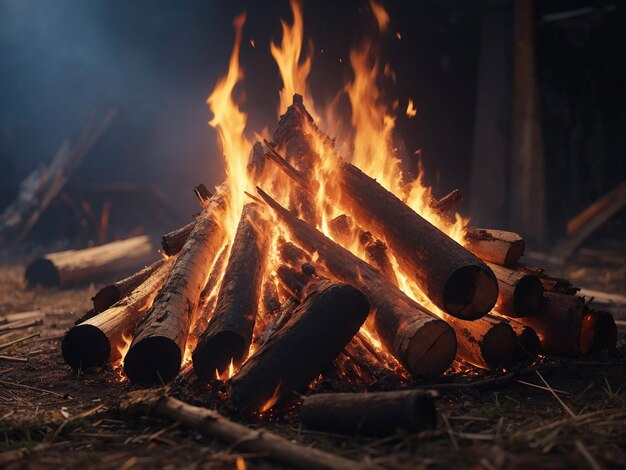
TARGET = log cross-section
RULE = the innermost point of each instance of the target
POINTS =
(156, 352)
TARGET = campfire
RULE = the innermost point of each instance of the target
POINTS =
(319, 265)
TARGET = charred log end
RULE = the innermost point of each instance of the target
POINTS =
(431, 350)
(154, 360)
(42, 272)
(85, 346)
(216, 354)
(471, 292)
(528, 295)
(516, 250)
(529, 343)
(598, 332)
(105, 297)
(499, 346)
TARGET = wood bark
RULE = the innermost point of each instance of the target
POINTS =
(489, 343)
(558, 323)
(79, 267)
(316, 333)
(495, 246)
(172, 242)
(453, 278)
(112, 293)
(156, 352)
(371, 414)
(240, 437)
(424, 344)
(229, 333)
(519, 293)
(101, 338)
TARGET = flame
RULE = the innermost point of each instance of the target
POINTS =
(228, 373)
(230, 123)
(240, 463)
(271, 402)
(124, 346)
(410, 109)
(381, 15)
(287, 56)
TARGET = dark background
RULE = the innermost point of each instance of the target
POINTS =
(157, 62)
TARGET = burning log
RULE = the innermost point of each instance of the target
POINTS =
(495, 246)
(520, 293)
(558, 323)
(447, 203)
(172, 242)
(156, 352)
(229, 333)
(488, 343)
(101, 338)
(371, 414)
(316, 333)
(240, 437)
(424, 344)
(453, 278)
(527, 340)
(75, 267)
(112, 293)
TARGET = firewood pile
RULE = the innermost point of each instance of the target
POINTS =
(311, 273)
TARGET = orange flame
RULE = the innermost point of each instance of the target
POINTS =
(287, 56)
(230, 123)
(381, 15)
(124, 346)
(272, 401)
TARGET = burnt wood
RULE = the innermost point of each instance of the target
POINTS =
(99, 339)
(424, 344)
(112, 293)
(156, 353)
(519, 293)
(229, 333)
(316, 333)
(370, 414)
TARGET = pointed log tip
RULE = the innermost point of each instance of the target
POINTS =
(155, 360)
(85, 346)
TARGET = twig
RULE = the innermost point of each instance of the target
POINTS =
(453, 440)
(542, 388)
(19, 340)
(43, 390)
(12, 359)
(587, 455)
(565, 407)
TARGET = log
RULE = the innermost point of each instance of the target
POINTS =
(558, 323)
(448, 203)
(598, 332)
(112, 293)
(240, 437)
(315, 334)
(425, 345)
(370, 414)
(519, 293)
(488, 343)
(495, 246)
(103, 337)
(79, 267)
(527, 340)
(156, 353)
(229, 333)
(453, 278)
(172, 242)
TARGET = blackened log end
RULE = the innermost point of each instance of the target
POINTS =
(471, 292)
(154, 360)
(85, 346)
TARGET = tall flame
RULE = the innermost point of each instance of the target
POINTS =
(287, 56)
(230, 123)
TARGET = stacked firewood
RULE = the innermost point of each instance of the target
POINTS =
(271, 329)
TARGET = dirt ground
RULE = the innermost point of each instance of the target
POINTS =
(52, 416)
